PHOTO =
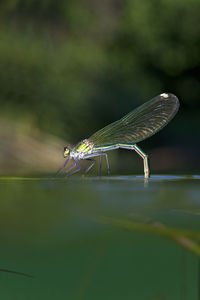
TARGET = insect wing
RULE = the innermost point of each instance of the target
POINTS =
(140, 123)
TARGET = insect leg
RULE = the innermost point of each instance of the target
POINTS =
(100, 164)
(59, 170)
(72, 167)
(92, 164)
(100, 153)
(76, 164)
(107, 162)
(142, 154)
(145, 159)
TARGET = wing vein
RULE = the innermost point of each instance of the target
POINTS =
(140, 123)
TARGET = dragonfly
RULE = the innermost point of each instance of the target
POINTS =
(125, 133)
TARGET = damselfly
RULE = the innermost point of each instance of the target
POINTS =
(134, 127)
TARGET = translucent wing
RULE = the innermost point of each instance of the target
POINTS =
(140, 123)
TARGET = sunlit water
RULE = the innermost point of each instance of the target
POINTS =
(100, 238)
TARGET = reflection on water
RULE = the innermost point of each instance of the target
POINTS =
(100, 238)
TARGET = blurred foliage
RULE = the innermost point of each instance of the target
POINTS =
(71, 67)
(184, 238)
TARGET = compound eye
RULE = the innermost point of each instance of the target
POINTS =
(66, 151)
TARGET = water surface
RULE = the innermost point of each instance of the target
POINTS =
(100, 238)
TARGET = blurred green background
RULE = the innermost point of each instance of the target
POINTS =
(69, 68)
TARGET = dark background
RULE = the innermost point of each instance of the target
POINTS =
(69, 68)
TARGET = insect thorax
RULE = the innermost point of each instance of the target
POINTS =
(84, 147)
